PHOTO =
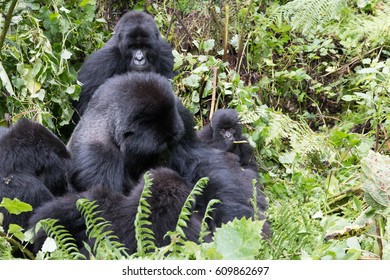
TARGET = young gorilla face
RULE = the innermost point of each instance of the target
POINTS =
(226, 126)
(128, 126)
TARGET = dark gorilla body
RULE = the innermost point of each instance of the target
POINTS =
(3, 130)
(228, 182)
(126, 129)
(33, 167)
(169, 192)
(225, 133)
(135, 46)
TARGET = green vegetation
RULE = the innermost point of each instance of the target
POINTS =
(309, 78)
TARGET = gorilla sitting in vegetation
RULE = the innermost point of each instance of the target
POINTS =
(169, 192)
(33, 167)
(126, 129)
(228, 181)
(225, 133)
(136, 46)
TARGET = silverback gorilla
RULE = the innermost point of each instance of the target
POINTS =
(126, 129)
(169, 192)
(33, 167)
(135, 46)
(224, 132)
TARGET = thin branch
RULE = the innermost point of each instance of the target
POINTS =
(225, 38)
(214, 93)
(20, 247)
(241, 39)
(7, 22)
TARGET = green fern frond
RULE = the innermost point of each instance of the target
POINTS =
(65, 242)
(302, 140)
(189, 205)
(204, 228)
(105, 246)
(305, 15)
(144, 236)
(178, 236)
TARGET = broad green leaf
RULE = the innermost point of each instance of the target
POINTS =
(192, 81)
(376, 184)
(208, 45)
(5, 80)
(239, 239)
(15, 206)
(16, 231)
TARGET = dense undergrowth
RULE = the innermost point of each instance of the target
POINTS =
(310, 79)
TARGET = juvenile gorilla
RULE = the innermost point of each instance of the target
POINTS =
(135, 46)
(228, 181)
(33, 167)
(169, 192)
(125, 130)
(225, 133)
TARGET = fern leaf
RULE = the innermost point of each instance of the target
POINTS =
(106, 246)
(144, 236)
(65, 242)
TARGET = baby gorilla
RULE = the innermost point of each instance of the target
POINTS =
(125, 130)
(225, 133)
(169, 192)
(33, 167)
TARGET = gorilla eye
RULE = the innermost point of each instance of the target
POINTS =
(222, 130)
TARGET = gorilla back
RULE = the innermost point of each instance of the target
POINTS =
(125, 130)
(33, 167)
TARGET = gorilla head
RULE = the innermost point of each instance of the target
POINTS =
(135, 46)
(225, 133)
(129, 123)
(30, 148)
(33, 167)
(137, 35)
(225, 126)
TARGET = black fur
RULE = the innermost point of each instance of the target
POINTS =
(126, 129)
(224, 132)
(3, 130)
(33, 166)
(135, 46)
(228, 181)
(169, 192)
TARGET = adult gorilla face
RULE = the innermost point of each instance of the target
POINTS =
(135, 46)
(137, 36)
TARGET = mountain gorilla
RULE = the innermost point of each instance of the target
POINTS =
(228, 181)
(126, 129)
(135, 46)
(169, 192)
(224, 132)
(33, 167)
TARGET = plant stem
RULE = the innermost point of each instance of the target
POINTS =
(241, 38)
(225, 38)
(7, 22)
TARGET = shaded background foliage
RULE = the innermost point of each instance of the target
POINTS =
(310, 80)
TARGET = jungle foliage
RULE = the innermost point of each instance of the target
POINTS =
(309, 78)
